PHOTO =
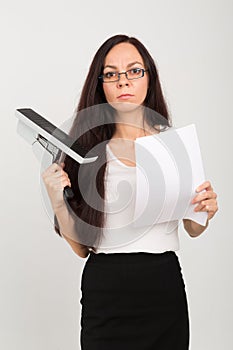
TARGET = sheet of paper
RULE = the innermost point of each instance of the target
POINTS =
(169, 169)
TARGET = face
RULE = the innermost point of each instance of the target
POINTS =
(121, 58)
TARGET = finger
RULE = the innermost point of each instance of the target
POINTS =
(56, 174)
(204, 186)
(212, 208)
(203, 196)
(56, 179)
(59, 184)
(211, 213)
(52, 176)
(202, 208)
(199, 207)
(208, 208)
(52, 168)
(59, 179)
(210, 202)
(65, 183)
(60, 173)
(64, 177)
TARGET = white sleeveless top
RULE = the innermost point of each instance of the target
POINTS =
(119, 233)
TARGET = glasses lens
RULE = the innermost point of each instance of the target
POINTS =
(110, 77)
(135, 73)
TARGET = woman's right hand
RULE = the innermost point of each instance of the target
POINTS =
(55, 180)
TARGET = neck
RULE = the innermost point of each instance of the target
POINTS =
(130, 125)
(129, 132)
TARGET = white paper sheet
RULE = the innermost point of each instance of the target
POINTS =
(169, 169)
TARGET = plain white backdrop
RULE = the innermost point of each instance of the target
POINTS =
(46, 49)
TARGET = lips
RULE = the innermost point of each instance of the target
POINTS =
(124, 96)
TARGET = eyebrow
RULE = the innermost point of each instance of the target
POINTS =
(128, 65)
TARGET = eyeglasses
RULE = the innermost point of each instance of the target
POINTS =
(131, 74)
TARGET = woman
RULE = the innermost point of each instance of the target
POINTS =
(133, 294)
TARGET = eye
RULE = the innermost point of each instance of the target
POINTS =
(110, 75)
(135, 71)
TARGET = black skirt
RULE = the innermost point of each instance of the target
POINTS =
(133, 301)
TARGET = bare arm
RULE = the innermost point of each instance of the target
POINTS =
(55, 179)
(193, 228)
(206, 201)
(67, 229)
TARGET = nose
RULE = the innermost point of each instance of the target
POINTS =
(123, 81)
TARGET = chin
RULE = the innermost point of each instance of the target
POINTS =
(125, 106)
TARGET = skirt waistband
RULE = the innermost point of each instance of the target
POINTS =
(141, 257)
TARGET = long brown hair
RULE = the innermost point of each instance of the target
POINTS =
(93, 127)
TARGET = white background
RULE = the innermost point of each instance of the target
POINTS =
(46, 48)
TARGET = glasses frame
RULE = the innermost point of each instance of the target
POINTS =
(101, 77)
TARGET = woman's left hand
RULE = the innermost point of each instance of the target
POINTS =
(206, 200)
